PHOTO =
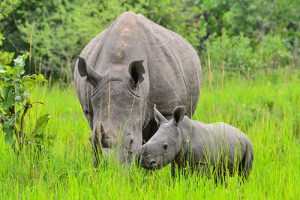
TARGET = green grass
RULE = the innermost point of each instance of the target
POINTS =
(267, 110)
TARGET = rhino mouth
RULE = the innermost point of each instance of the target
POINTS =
(106, 150)
(150, 163)
(106, 142)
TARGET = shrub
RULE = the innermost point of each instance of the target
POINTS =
(273, 52)
(15, 103)
(234, 54)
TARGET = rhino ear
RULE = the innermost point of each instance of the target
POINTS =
(84, 70)
(136, 71)
(178, 115)
(159, 118)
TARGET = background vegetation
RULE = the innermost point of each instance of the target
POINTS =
(243, 37)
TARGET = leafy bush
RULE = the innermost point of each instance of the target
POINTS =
(237, 55)
(5, 57)
(15, 103)
(6, 7)
(59, 30)
(59, 33)
(234, 54)
(274, 52)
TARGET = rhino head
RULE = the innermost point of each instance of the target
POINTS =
(165, 144)
(118, 108)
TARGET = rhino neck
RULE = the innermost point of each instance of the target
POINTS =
(186, 133)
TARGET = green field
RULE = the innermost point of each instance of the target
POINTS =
(267, 110)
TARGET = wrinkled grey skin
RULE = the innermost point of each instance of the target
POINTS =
(183, 142)
(123, 72)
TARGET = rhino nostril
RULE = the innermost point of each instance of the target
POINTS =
(152, 162)
(106, 141)
(131, 141)
(104, 136)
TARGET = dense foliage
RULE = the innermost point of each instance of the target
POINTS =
(234, 36)
(15, 103)
(15, 100)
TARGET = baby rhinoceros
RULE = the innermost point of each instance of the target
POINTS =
(208, 148)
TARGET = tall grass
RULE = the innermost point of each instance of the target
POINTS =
(267, 110)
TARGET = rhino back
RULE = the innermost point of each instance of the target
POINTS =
(209, 141)
(174, 68)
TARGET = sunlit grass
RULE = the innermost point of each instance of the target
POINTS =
(266, 110)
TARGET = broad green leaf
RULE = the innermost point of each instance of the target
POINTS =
(19, 64)
(19, 98)
(26, 95)
(1, 38)
(2, 111)
(4, 84)
(30, 80)
(9, 138)
(12, 121)
(8, 128)
(20, 61)
(41, 123)
(9, 69)
(38, 77)
(8, 97)
(41, 78)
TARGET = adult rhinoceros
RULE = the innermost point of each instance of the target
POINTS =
(124, 71)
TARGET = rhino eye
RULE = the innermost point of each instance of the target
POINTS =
(165, 147)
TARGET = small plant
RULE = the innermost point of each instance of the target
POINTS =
(14, 105)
